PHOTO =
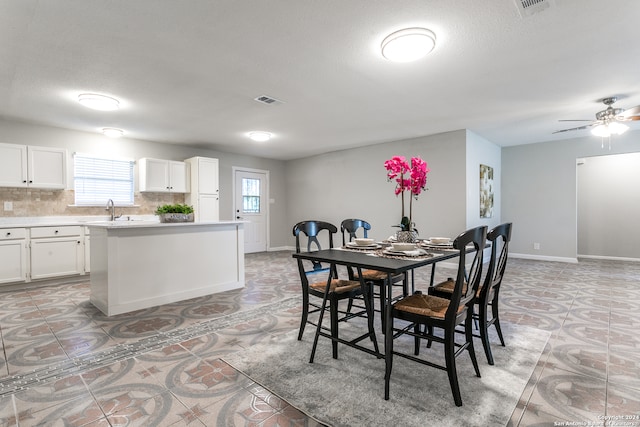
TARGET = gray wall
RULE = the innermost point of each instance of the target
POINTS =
(539, 192)
(609, 206)
(353, 183)
(482, 152)
(13, 132)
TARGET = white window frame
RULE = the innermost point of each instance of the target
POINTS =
(97, 179)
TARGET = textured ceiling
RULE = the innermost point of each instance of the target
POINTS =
(187, 72)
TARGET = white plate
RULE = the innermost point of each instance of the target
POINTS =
(428, 242)
(415, 252)
(355, 245)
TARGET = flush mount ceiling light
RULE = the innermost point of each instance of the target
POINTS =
(98, 102)
(260, 136)
(112, 132)
(408, 45)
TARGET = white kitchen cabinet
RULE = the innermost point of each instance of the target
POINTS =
(56, 251)
(204, 194)
(13, 253)
(87, 250)
(162, 176)
(34, 167)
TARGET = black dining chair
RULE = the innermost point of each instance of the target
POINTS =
(350, 229)
(488, 293)
(426, 313)
(340, 289)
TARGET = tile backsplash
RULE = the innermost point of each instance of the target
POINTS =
(29, 202)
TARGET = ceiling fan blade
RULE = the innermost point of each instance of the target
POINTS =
(631, 112)
(574, 120)
(577, 128)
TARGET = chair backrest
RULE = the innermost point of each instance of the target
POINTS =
(351, 226)
(463, 295)
(499, 238)
(312, 229)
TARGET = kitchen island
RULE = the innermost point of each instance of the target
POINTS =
(142, 264)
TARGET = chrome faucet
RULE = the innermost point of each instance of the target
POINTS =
(111, 207)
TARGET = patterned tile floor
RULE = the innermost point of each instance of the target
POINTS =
(64, 363)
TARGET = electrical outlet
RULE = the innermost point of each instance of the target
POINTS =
(8, 206)
(536, 246)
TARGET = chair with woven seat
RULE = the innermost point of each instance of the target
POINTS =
(489, 291)
(424, 313)
(350, 229)
(339, 289)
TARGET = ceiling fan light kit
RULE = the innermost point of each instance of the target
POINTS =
(613, 128)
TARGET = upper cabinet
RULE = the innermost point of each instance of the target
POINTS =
(163, 176)
(34, 167)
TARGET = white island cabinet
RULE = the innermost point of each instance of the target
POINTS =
(137, 265)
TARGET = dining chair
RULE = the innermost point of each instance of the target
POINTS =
(489, 291)
(339, 289)
(426, 313)
(350, 229)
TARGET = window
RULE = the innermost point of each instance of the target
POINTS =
(250, 195)
(96, 180)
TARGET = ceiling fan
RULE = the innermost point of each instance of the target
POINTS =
(608, 121)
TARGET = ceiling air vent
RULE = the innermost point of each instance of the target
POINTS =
(264, 99)
(530, 7)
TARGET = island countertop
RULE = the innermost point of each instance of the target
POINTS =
(151, 224)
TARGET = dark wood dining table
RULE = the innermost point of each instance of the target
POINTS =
(375, 260)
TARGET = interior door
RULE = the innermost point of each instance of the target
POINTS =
(251, 205)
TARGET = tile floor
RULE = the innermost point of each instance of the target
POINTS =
(64, 363)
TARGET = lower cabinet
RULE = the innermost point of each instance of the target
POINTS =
(43, 252)
(87, 251)
(13, 255)
(56, 251)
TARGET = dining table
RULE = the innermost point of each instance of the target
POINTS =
(380, 258)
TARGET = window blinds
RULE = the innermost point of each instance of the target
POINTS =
(96, 180)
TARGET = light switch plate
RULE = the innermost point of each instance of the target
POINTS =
(8, 206)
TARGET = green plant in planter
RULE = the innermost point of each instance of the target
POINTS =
(177, 208)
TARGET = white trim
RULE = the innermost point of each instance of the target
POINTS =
(609, 258)
(281, 248)
(544, 258)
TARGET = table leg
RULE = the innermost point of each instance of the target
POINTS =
(368, 301)
(388, 338)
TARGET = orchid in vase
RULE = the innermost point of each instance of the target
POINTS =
(409, 177)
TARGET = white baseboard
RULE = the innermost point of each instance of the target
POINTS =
(609, 258)
(281, 248)
(544, 258)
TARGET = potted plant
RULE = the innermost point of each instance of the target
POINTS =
(410, 177)
(175, 213)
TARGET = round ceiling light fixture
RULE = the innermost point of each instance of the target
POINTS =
(408, 45)
(112, 132)
(98, 102)
(260, 136)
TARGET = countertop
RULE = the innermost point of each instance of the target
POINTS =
(97, 221)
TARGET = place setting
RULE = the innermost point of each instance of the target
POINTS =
(399, 249)
(437, 243)
(362, 244)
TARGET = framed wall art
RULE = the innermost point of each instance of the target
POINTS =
(486, 191)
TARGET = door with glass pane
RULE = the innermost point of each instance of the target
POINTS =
(251, 205)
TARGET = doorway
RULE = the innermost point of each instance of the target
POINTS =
(251, 204)
(608, 205)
